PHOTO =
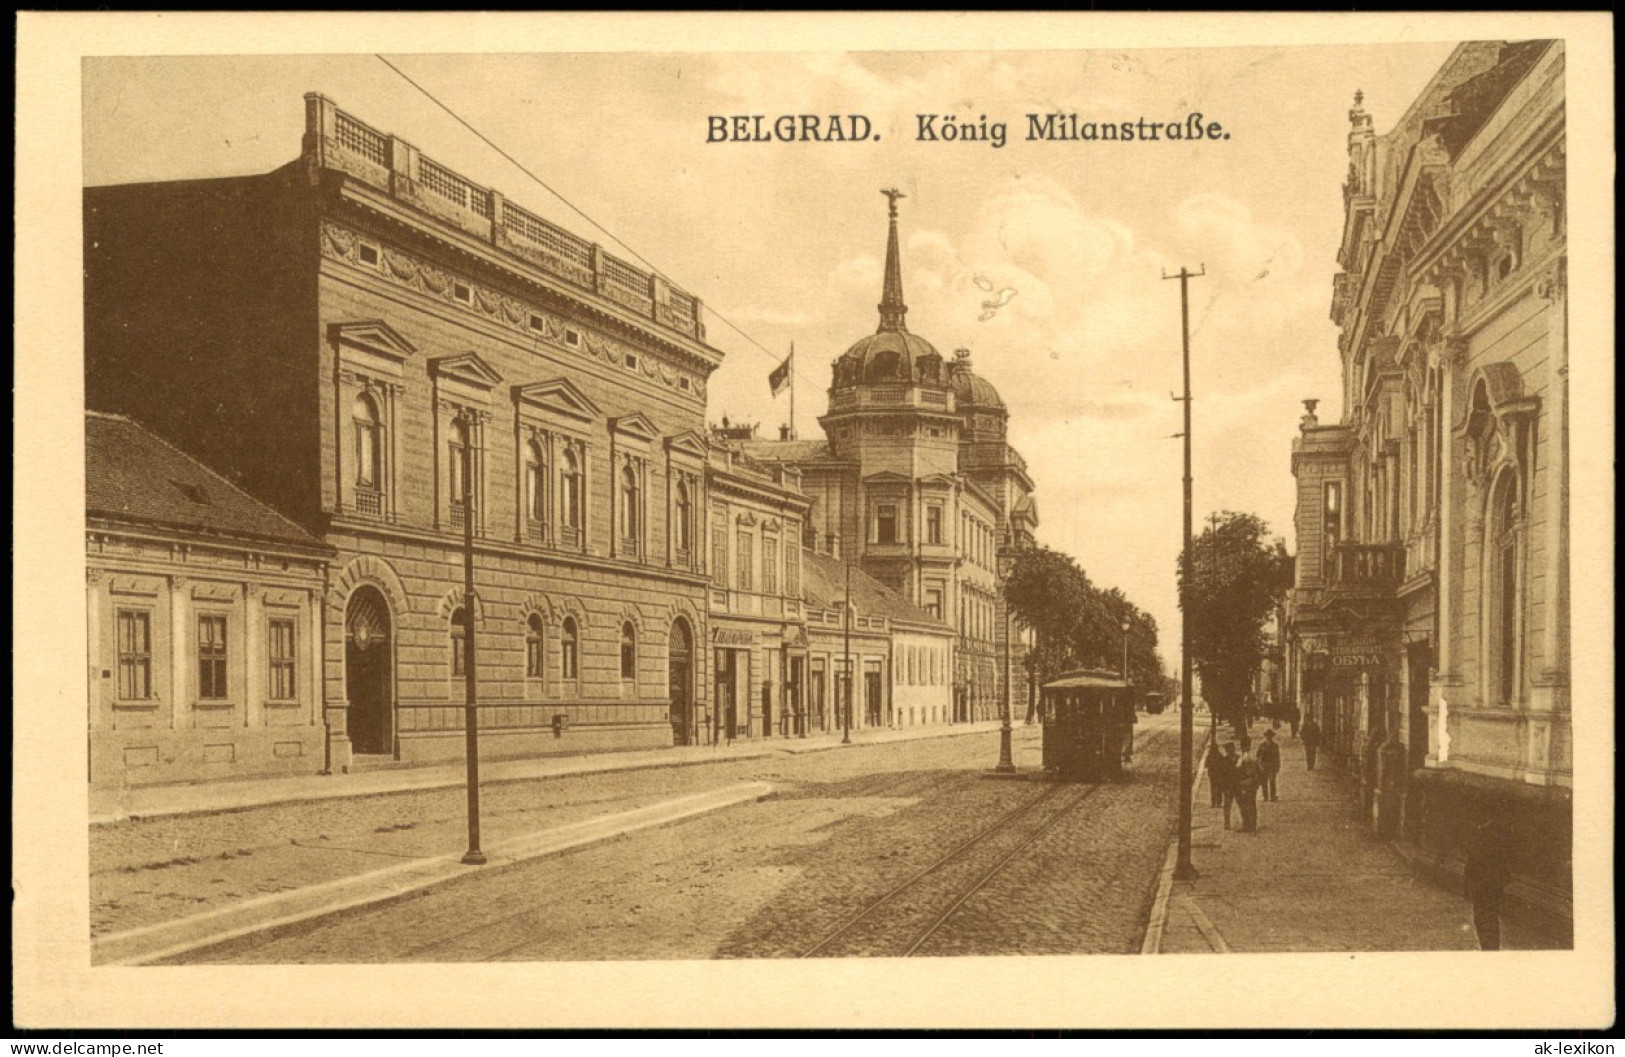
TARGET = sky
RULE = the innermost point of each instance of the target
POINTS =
(784, 241)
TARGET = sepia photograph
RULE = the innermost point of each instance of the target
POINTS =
(774, 513)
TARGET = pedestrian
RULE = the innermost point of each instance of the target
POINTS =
(1245, 783)
(1311, 741)
(1227, 780)
(1217, 765)
(1486, 877)
(1292, 717)
(1269, 765)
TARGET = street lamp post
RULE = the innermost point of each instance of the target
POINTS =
(471, 723)
(846, 667)
(1125, 651)
(1006, 561)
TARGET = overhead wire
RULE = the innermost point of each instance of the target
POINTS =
(516, 163)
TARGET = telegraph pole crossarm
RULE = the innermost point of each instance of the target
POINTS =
(1183, 869)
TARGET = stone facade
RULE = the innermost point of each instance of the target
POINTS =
(1430, 618)
(414, 329)
(413, 370)
(756, 515)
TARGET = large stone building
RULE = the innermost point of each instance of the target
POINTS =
(1429, 623)
(918, 483)
(344, 338)
(204, 610)
(375, 354)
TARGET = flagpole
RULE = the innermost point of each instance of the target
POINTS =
(792, 390)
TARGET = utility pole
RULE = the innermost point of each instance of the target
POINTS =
(471, 722)
(1183, 870)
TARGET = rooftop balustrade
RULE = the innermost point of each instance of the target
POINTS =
(337, 140)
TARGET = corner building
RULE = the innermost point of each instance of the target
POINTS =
(1429, 622)
(917, 483)
(341, 338)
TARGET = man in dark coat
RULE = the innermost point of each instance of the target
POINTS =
(1269, 764)
(1292, 718)
(1488, 870)
(1311, 740)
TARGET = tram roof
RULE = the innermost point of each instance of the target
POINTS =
(1087, 680)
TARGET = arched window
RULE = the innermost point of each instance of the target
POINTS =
(685, 518)
(457, 456)
(568, 649)
(629, 503)
(368, 451)
(459, 642)
(536, 485)
(570, 491)
(629, 652)
(1505, 630)
(533, 647)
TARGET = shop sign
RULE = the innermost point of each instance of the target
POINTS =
(1356, 655)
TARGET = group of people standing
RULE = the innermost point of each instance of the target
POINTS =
(1238, 775)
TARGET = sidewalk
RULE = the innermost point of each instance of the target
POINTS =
(157, 801)
(1311, 879)
(376, 887)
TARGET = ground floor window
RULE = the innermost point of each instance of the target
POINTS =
(282, 666)
(134, 655)
(211, 656)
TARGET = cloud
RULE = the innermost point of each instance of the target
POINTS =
(1238, 246)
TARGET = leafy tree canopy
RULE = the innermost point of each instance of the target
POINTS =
(1230, 583)
(1076, 624)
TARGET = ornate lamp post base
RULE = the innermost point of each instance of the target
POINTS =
(1006, 763)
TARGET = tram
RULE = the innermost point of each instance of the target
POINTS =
(1088, 719)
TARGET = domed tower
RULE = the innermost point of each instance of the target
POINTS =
(981, 409)
(892, 414)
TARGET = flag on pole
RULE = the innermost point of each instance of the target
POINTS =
(779, 380)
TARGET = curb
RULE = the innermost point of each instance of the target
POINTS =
(765, 752)
(169, 939)
(1152, 943)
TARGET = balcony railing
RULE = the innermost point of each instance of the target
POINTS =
(1368, 566)
(337, 140)
(369, 502)
(892, 396)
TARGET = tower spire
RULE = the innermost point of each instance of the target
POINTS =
(892, 309)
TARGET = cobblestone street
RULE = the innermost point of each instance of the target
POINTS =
(767, 879)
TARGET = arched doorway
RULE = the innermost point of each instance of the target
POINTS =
(680, 671)
(369, 673)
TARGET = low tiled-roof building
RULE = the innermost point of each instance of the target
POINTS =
(204, 609)
(901, 657)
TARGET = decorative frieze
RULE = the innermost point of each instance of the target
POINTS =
(407, 270)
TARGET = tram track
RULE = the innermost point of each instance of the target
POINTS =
(919, 909)
(865, 933)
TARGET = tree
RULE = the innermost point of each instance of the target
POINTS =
(1076, 624)
(1230, 583)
